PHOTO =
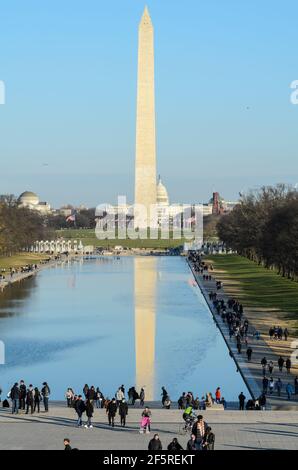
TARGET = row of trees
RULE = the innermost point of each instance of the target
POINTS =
(85, 218)
(264, 228)
(19, 227)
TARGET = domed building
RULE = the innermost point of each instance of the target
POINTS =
(28, 199)
(162, 194)
(162, 200)
(31, 201)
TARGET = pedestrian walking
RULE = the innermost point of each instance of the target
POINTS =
(265, 385)
(271, 385)
(79, 406)
(146, 421)
(112, 410)
(281, 362)
(288, 365)
(262, 402)
(289, 390)
(278, 386)
(199, 430)
(270, 367)
(89, 413)
(123, 411)
(249, 354)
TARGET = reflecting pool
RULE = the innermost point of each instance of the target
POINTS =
(135, 321)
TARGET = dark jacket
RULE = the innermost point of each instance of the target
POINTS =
(22, 391)
(80, 407)
(29, 397)
(91, 394)
(242, 398)
(154, 444)
(191, 445)
(89, 409)
(175, 447)
(15, 393)
(37, 396)
(209, 441)
(123, 409)
(112, 408)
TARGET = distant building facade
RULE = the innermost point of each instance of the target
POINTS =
(31, 201)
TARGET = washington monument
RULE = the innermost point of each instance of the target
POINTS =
(145, 165)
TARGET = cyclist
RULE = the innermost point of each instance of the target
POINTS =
(189, 414)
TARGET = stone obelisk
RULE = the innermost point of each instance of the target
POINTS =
(145, 165)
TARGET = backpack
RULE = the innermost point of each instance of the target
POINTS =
(5, 404)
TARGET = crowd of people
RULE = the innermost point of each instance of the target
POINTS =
(277, 333)
(231, 312)
(206, 401)
(202, 435)
(9, 273)
(27, 398)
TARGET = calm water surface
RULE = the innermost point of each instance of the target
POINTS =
(138, 321)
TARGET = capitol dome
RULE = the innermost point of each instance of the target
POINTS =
(162, 194)
(29, 199)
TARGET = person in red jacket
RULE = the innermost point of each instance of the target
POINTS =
(217, 395)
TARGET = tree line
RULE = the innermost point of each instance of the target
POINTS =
(264, 228)
(19, 227)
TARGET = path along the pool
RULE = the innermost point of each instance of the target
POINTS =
(20, 276)
(17, 277)
(252, 371)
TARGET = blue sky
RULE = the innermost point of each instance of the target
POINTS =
(224, 117)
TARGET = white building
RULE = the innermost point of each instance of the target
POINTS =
(31, 201)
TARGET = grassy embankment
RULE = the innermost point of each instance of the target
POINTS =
(20, 259)
(88, 238)
(259, 288)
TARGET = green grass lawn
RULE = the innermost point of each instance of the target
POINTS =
(20, 259)
(259, 287)
(88, 238)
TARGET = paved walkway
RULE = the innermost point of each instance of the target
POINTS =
(234, 430)
(250, 371)
(16, 278)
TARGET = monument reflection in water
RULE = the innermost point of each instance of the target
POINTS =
(134, 320)
(145, 273)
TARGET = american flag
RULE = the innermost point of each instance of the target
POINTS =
(71, 218)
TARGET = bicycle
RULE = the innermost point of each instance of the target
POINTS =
(186, 427)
